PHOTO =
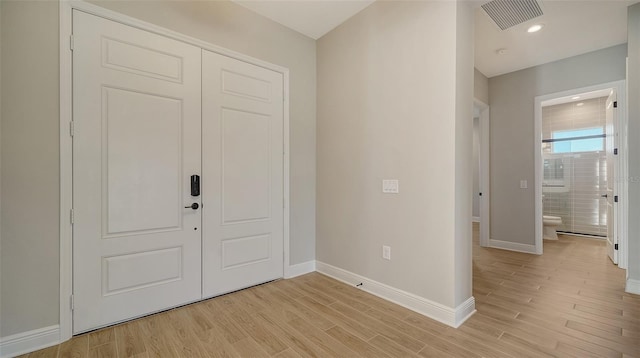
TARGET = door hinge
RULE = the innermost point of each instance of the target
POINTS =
(71, 303)
(72, 128)
(71, 215)
(615, 247)
(615, 151)
(615, 198)
(71, 42)
(615, 104)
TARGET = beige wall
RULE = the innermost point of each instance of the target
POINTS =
(512, 99)
(633, 34)
(29, 258)
(480, 86)
(389, 108)
(30, 153)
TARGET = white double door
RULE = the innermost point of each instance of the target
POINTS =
(149, 114)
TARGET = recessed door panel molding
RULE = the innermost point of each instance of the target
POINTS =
(246, 166)
(242, 112)
(137, 124)
(142, 60)
(238, 84)
(142, 162)
(243, 251)
(130, 272)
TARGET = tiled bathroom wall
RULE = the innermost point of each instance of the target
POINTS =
(573, 182)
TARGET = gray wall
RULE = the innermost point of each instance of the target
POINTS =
(29, 258)
(389, 109)
(512, 98)
(29, 278)
(633, 34)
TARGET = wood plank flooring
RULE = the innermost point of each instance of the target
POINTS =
(569, 302)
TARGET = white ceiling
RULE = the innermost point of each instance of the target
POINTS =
(313, 18)
(571, 27)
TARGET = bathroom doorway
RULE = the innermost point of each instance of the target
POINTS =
(580, 145)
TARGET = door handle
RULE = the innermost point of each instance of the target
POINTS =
(604, 195)
(193, 206)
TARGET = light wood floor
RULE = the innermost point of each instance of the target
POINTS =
(570, 302)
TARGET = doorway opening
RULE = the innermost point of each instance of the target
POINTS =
(580, 154)
(481, 187)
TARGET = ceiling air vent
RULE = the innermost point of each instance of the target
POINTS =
(508, 13)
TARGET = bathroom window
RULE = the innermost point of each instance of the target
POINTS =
(578, 140)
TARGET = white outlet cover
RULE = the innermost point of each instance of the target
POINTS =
(523, 184)
(390, 186)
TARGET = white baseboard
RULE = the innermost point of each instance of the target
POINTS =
(475, 219)
(300, 269)
(512, 246)
(453, 317)
(633, 286)
(464, 311)
(30, 341)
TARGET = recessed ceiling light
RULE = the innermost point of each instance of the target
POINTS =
(575, 97)
(580, 104)
(502, 51)
(535, 28)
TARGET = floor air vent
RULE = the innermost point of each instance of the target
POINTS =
(508, 13)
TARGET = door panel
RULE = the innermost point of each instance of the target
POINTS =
(242, 174)
(137, 121)
(150, 160)
(241, 251)
(141, 60)
(246, 164)
(610, 132)
(130, 271)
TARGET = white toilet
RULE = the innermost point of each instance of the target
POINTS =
(550, 224)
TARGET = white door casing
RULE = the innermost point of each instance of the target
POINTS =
(485, 177)
(620, 161)
(242, 129)
(136, 115)
(610, 143)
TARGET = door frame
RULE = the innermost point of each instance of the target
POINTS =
(621, 164)
(66, 143)
(484, 175)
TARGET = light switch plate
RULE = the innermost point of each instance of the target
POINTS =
(523, 184)
(390, 186)
(386, 252)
